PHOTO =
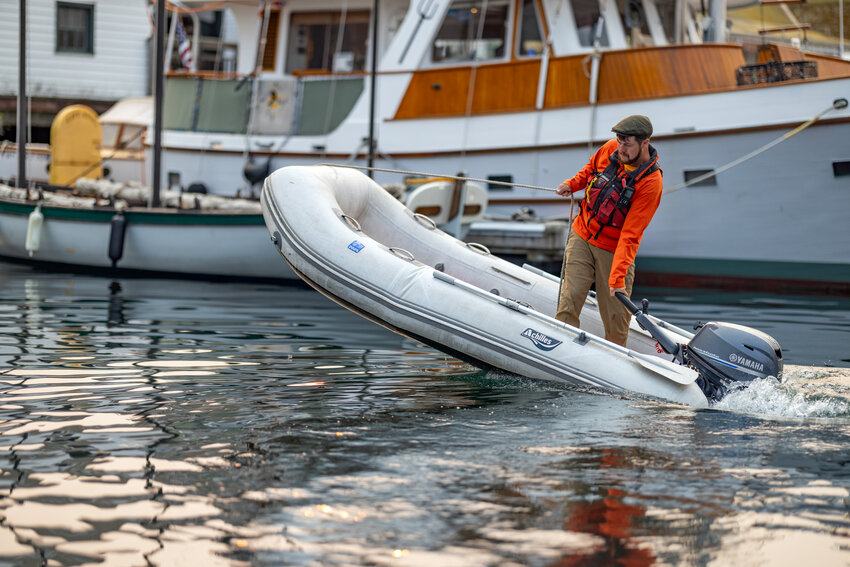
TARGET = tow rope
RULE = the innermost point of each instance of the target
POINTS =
(837, 104)
(441, 176)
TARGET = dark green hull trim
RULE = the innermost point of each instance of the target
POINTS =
(744, 275)
(137, 216)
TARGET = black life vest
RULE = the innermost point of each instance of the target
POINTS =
(609, 194)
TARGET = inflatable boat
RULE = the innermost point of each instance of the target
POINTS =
(354, 242)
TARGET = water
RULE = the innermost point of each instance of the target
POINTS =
(186, 423)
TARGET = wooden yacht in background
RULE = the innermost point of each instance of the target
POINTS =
(523, 91)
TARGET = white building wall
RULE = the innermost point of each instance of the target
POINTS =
(118, 67)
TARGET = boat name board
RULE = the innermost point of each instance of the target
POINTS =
(540, 340)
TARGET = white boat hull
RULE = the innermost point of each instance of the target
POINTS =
(187, 244)
(347, 237)
(776, 217)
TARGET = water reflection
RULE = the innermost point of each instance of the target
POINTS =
(165, 423)
(115, 311)
(99, 412)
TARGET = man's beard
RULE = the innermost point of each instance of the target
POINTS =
(632, 161)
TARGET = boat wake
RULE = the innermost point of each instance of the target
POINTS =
(805, 392)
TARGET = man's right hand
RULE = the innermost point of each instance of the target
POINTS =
(563, 189)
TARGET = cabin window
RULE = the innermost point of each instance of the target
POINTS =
(473, 30)
(316, 44)
(710, 181)
(74, 27)
(504, 178)
(270, 49)
(841, 168)
(530, 34)
(589, 23)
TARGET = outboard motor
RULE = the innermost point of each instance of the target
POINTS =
(726, 356)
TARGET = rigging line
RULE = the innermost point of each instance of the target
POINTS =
(122, 145)
(254, 85)
(340, 36)
(473, 75)
(219, 46)
(539, 103)
(293, 123)
(440, 175)
(27, 93)
(837, 104)
(595, 59)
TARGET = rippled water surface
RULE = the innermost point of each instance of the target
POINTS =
(155, 422)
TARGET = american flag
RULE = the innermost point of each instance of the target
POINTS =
(183, 46)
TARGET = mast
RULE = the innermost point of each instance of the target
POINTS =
(157, 97)
(372, 76)
(22, 96)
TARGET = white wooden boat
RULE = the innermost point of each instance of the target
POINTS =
(348, 238)
(89, 234)
(523, 90)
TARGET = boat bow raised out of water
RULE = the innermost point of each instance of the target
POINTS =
(350, 239)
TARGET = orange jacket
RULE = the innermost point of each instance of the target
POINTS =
(623, 242)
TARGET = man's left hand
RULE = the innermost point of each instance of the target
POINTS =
(614, 290)
(563, 189)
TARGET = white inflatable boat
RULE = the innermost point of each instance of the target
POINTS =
(350, 239)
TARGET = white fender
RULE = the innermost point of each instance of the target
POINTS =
(33, 239)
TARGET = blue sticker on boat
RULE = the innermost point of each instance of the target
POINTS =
(540, 340)
(356, 246)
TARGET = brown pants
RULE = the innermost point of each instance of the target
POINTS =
(585, 264)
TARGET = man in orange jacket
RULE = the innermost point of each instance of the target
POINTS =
(622, 184)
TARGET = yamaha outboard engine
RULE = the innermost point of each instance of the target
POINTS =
(726, 356)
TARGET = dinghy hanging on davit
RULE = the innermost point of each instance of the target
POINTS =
(347, 237)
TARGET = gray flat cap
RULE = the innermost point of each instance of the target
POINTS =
(635, 125)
